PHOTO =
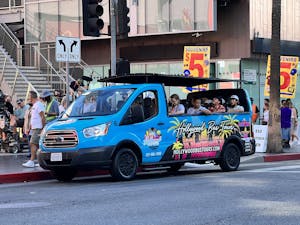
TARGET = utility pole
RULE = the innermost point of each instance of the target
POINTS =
(113, 37)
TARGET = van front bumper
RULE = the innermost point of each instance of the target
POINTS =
(87, 158)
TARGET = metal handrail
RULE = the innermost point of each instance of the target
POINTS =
(65, 73)
(11, 34)
(13, 47)
(18, 71)
(49, 64)
(84, 65)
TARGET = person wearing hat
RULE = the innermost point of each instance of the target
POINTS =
(217, 105)
(20, 112)
(52, 106)
(234, 105)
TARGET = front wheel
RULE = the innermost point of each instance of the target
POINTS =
(125, 164)
(230, 160)
(64, 174)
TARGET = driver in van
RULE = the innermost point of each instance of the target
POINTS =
(234, 106)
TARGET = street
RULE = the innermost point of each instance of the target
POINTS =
(259, 193)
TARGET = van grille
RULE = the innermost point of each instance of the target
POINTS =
(60, 139)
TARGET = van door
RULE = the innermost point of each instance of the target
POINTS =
(145, 125)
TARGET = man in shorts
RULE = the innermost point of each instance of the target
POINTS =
(37, 123)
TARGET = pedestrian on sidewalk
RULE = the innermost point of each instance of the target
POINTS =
(26, 127)
(286, 114)
(265, 119)
(63, 105)
(37, 123)
(52, 106)
(294, 122)
(255, 111)
(20, 112)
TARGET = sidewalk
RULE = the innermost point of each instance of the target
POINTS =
(12, 171)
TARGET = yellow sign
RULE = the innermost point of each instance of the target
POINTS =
(196, 62)
(288, 76)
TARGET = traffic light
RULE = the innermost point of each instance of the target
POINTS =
(91, 12)
(123, 18)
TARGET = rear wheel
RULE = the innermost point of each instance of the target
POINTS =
(64, 174)
(125, 164)
(230, 160)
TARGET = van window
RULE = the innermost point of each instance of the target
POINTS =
(150, 104)
(98, 103)
(143, 107)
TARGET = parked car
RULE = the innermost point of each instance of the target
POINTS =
(104, 130)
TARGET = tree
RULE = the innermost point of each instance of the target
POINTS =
(274, 127)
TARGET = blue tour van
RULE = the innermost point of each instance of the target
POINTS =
(124, 127)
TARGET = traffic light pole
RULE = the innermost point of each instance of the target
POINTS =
(113, 38)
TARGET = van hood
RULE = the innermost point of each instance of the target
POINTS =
(78, 123)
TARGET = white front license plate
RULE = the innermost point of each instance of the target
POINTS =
(56, 157)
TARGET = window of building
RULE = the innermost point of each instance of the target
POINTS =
(44, 20)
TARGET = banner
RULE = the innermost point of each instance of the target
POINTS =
(196, 62)
(288, 76)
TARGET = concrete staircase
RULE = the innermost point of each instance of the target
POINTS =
(34, 77)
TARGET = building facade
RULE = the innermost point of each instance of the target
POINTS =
(238, 32)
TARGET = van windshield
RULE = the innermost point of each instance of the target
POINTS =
(98, 103)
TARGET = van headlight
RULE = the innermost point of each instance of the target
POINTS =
(95, 131)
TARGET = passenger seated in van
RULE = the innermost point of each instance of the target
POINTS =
(121, 102)
(197, 108)
(217, 105)
(208, 103)
(89, 104)
(176, 108)
(234, 106)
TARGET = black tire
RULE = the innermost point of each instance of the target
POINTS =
(125, 164)
(14, 149)
(64, 175)
(231, 156)
(174, 168)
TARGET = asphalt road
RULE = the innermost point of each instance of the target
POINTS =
(263, 193)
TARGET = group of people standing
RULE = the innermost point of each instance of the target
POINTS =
(289, 120)
(289, 123)
(42, 110)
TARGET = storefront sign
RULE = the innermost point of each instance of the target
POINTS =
(288, 76)
(196, 62)
(250, 75)
(261, 137)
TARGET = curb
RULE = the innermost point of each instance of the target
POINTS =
(42, 175)
(25, 177)
(281, 157)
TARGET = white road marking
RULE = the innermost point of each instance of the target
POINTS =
(23, 205)
(274, 169)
